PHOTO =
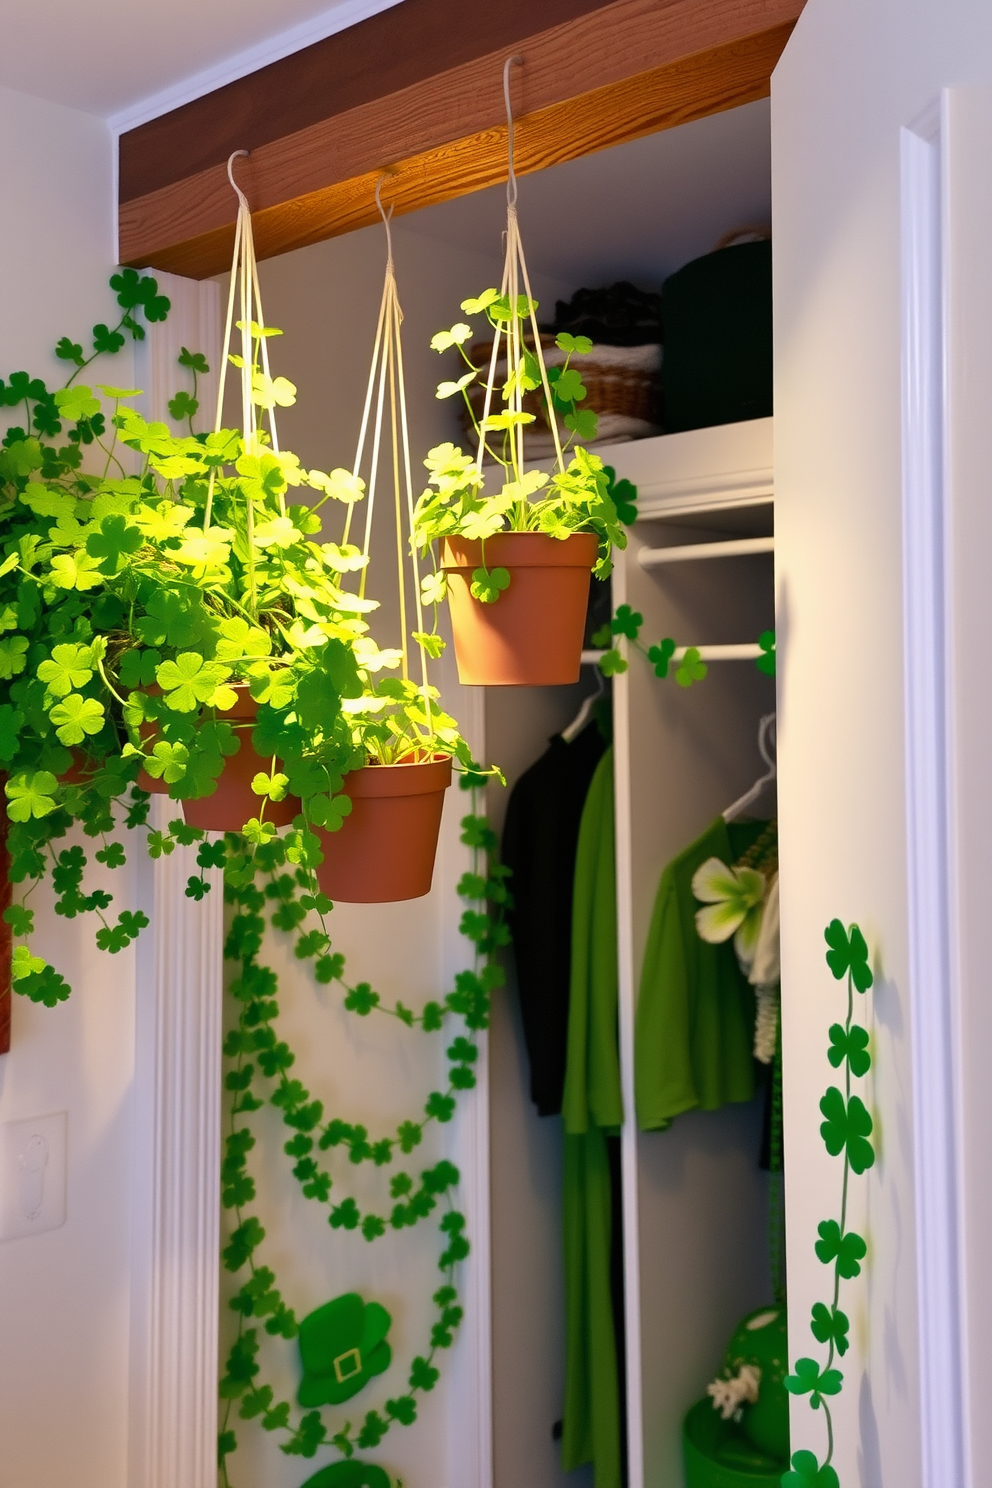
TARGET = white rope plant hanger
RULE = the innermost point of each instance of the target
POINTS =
(258, 388)
(517, 380)
(386, 388)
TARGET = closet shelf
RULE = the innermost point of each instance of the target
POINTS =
(692, 552)
(745, 651)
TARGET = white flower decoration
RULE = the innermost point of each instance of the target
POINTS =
(733, 899)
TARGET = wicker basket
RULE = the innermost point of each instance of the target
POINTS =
(622, 381)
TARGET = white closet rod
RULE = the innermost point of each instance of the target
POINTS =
(734, 548)
(747, 651)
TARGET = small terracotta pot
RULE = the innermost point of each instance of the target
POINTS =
(234, 802)
(385, 849)
(532, 635)
(78, 772)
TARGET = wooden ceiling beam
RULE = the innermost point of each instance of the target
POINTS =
(612, 74)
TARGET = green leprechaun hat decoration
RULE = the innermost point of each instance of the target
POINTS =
(350, 1475)
(342, 1346)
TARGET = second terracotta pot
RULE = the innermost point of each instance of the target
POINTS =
(385, 850)
(532, 635)
(234, 802)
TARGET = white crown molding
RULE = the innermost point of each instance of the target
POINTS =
(329, 22)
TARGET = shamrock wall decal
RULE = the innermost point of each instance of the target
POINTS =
(807, 1473)
(342, 1346)
(847, 1126)
(846, 1130)
(848, 953)
(810, 1380)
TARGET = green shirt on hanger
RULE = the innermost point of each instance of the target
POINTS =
(592, 1073)
(591, 1108)
(694, 1026)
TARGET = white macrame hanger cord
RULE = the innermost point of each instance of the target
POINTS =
(516, 268)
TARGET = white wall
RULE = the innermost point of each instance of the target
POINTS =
(851, 78)
(64, 1294)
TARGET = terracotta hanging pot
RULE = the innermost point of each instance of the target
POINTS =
(385, 849)
(234, 802)
(532, 635)
(80, 768)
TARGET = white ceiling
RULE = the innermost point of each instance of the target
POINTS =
(635, 212)
(130, 60)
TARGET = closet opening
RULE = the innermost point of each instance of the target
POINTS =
(692, 1212)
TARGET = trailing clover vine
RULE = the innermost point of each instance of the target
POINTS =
(846, 1130)
(259, 1065)
(689, 666)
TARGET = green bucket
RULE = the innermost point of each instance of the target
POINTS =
(719, 1455)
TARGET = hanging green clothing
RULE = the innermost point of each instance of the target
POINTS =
(591, 1108)
(694, 1027)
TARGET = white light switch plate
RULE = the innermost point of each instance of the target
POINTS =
(32, 1175)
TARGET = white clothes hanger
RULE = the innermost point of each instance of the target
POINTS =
(581, 718)
(766, 747)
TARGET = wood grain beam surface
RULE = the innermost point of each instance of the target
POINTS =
(406, 44)
(627, 69)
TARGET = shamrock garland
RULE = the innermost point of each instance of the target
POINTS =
(846, 1129)
(626, 625)
(254, 1049)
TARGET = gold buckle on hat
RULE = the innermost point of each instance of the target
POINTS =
(347, 1365)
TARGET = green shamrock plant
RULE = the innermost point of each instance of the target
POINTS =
(155, 588)
(580, 495)
(487, 586)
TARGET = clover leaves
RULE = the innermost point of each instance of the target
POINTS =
(627, 624)
(582, 496)
(848, 954)
(846, 1131)
(342, 1344)
(847, 1250)
(829, 1324)
(850, 1045)
(75, 717)
(810, 1380)
(488, 585)
(807, 1473)
(189, 681)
